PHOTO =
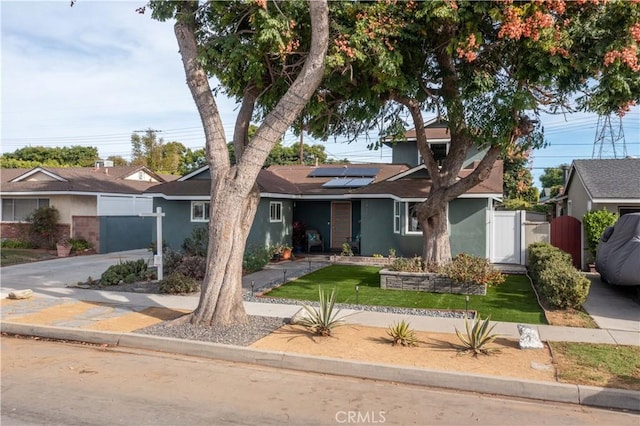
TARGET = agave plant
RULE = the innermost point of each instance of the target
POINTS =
(478, 336)
(402, 334)
(323, 319)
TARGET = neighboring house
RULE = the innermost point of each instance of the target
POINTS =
(611, 184)
(100, 204)
(371, 205)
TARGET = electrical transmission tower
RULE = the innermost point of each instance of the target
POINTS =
(609, 141)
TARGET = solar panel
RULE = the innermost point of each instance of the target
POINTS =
(347, 183)
(358, 182)
(361, 171)
(327, 172)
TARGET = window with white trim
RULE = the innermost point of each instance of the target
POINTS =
(275, 211)
(413, 227)
(17, 209)
(396, 217)
(200, 211)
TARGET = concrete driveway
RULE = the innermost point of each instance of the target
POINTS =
(58, 273)
(612, 307)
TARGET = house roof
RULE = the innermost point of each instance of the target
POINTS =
(75, 179)
(299, 176)
(435, 130)
(297, 180)
(282, 180)
(415, 186)
(613, 179)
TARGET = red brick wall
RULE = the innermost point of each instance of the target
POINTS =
(87, 227)
(20, 231)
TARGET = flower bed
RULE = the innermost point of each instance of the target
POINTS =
(427, 281)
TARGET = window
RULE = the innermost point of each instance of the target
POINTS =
(200, 211)
(412, 218)
(396, 217)
(17, 209)
(627, 210)
(439, 151)
(275, 211)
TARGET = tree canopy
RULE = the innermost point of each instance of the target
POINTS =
(66, 156)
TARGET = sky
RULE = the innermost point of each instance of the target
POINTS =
(94, 73)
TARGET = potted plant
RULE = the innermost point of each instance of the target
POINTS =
(299, 229)
(63, 247)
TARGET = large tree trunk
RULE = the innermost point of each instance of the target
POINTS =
(234, 193)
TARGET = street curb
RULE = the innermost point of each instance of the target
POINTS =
(546, 391)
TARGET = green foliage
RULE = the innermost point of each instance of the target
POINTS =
(478, 336)
(551, 269)
(79, 244)
(66, 156)
(323, 319)
(147, 150)
(516, 204)
(346, 250)
(43, 227)
(171, 260)
(127, 271)
(543, 254)
(18, 244)
(402, 264)
(466, 268)
(256, 258)
(552, 177)
(402, 334)
(595, 222)
(192, 266)
(198, 243)
(563, 285)
(177, 283)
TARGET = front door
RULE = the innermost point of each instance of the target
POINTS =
(340, 223)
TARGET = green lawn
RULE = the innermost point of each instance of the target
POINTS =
(11, 256)
(513, 301)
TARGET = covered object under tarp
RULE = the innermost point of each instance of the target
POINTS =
(618, 256)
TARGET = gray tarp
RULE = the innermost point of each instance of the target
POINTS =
(618, 257)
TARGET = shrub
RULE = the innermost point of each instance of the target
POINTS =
(595, 222)
(472, 269)
(402, 334)
(563, 285)
(177, 283)
(323, 319)
(255, 258)
(79, 244)
(43, 227)
(16, 244)
(477, 337)
(402, 264)
(128, 271)
(170, 260)
(193, 267)
(346, 250)
(543, 254)
(197, 244)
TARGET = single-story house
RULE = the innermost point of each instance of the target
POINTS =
(371, 205)
(95, 203)
(611, 184)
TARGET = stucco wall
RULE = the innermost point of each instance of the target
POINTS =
(266, 233)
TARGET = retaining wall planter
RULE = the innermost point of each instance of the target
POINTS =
(360, 260)
(427, 281)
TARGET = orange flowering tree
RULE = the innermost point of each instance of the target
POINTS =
(486, 67)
